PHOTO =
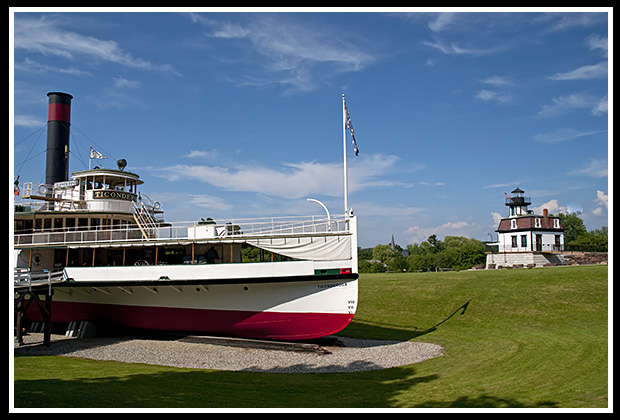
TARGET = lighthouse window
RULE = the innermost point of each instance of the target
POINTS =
(537, 222)
(556, 223)
(513, 224)
(524, 241)
(514, 241)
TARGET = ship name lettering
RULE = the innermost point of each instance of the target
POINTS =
(118, 195)
(331, 285)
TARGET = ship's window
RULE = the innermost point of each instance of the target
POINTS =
(70, 223)
(23, 226)
(82, 223)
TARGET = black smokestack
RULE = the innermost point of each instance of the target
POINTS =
(58, 123)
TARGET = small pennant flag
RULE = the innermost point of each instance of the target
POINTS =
(95, 154)
(349, 126)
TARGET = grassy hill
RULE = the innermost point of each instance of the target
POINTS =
(512, 338)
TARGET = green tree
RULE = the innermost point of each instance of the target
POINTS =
(436, 244)
(455, 252)
(367, 266)
(382, 253)
(596, 240)
(575, 233)
(573, 226)
(364, 253)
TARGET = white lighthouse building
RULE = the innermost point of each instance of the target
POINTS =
(525, 238)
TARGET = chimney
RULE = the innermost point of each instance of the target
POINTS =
(546, 217)
(58, 123)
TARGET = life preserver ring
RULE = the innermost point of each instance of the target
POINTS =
(37, 259)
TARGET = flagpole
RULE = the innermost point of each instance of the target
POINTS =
(344, 148)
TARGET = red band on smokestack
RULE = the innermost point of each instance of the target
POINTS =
(59, 112)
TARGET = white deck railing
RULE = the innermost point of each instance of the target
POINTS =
(25, 277)
(236, 229)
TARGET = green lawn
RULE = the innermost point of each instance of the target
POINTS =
(512, 338)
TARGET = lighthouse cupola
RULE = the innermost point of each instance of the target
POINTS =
(518, 203)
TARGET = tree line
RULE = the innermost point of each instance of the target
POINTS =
(578, 238)
(453, 253)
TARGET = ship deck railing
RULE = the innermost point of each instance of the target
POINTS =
(25, 279)
(236, 230)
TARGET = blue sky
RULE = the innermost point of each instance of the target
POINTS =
(228, 114)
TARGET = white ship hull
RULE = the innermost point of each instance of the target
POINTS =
(285, 301)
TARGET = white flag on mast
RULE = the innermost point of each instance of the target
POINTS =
(95, 154)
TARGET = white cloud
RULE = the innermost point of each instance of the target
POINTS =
(497, 81)
(602, 202)
(441, 22)
(28, 65)
(494, 95)
(496, 218)
(288, 53)
(289, 180)
(552, 205)
(597, 43)
(28, 121)
(562, 134)
(601, 199)
(596, 168)
(208, 202)
(45, 36)
(562, 104)
(594, 71)
(202, 154)
(452, 48)
(121, 82)
(573, 20)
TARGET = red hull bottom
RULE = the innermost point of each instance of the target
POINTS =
(261, 325)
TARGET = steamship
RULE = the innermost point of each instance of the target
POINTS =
(104, 254)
